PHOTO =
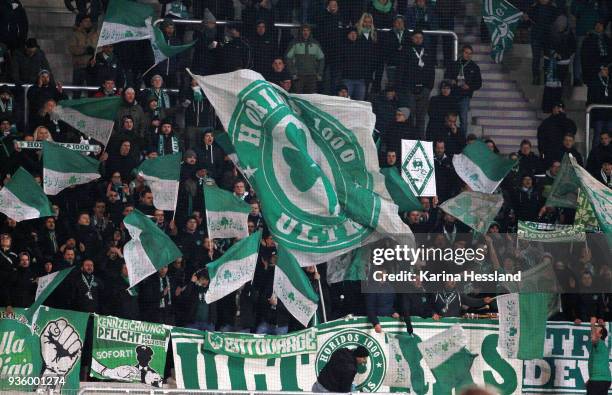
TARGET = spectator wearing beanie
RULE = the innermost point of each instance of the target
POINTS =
(439, 106)
(236, 54)
(551, 132)
(158, 91)
(207, 46)
(106, 64)
(399, 130)
(305, 61)
(263, 47)
(43, 90)
(129, 107)
(166, 142)
(27, 63)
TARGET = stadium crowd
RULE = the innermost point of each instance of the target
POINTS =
(340, 49)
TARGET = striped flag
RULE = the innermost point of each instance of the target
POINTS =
(226, 214)
(480, 168)
(22, 198)
(94, 117)
(63, 168)
(125, 21)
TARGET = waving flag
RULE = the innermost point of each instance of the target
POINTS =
(476, 210)
(162, 176)
(226, 214)
(125, 21)
(501, 19)
(63, 168)
(22, 198)
(161, 49)
(480, 168)
(94, 117)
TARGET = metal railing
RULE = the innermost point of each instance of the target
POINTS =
(587, 128)
(154, 391)
(282, 25)
(26, 88)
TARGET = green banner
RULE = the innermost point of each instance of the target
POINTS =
(550, 233)
(44, 355)
(72, 146)
(130, 351)
(248, 346)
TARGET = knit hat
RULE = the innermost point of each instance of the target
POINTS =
(208, 16)
(5, 89)
(31, 43)
(190, 154)
(405, 111)
(166, 121)
(44, 71)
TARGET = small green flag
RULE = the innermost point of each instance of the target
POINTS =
(63, 168)
(46, 285)
(480, 168)
(125, 21)
(94, 117)
(22, 198)
(162, 175)
(476, 210)
(226, 214)
(501, 19)
(161, 49)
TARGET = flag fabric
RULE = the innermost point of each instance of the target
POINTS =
(226, 214)
(480, 168)
(292, 287)
(161, 49)
(125, 21)
(522, 324)
(399, 190)
(475, 209)
(404, 367)
(149, 249)
(418, 168)
(564, 191)
(585, 215)
(22, 198)
(63, 168)
(46, 285)
(348, 267)
(550, 233)
(234, 268)
(162, 176)
(501, 19)
(312, 162)
(94, 117)
(448, 358)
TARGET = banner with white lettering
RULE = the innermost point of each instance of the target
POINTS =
(129, 351)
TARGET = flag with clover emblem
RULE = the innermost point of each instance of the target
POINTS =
(63, 168)
(94, 117)
(149, 249)
(125, 20)
(418, 167)
(226, 214)
(22, 198)
(234, 268)
(162, 176)
(312, 162)
(292, 287)
(480, 168)
(501, 19)
(476, 210)
(161, 49)
(522, 324)
(585, 215)
(404, 367)
(448, 358)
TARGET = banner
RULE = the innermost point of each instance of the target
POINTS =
(418, 168)
(80, 147)
(550, 233)
(44, 355)
(126, 350)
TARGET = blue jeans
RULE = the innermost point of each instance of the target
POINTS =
(265, 328)
(356, 89)
(464, 109)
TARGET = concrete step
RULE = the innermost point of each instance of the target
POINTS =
(505, 103)
(510, 131)
(481, 48)
(481, 58)
(28, 4)
(510, 112)
(53, 46)
(512, 142)
(495, 75)
(45, 16)
(499, 84)
(490, 66)
(506, 149)
(498, 93)
(507, 121)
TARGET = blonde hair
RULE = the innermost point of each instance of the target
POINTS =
(35, 135)
(359, 26)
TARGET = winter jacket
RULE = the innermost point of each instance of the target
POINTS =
(597, 156)
(206, 54)
(353, 61)
(439, 107)
(396, 132)
(419, 18)
(396, 49)
(412, 76)
(596, 51)
(550, 135)
(135, 111)
(263, 48)
(173, 64)
(107, 66)
(25, 69)
(587, 13)
(82, 46)
(237, 54)
(211, 158)
(471, 74)
(542, 17)
(384, 110)
(305, 58)
(527, 204)
(339, 372)
(330, 34)
(13, 24)
(596, 94)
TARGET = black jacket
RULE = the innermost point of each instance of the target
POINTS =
(396, 132)
(206, 55)
(471, 73)
(446, 178)
(107, 67)
(550, 135)
(597, 95)
(596, 51)
(211, 158)
(24, 287)
(329, 33)
(339, 372)
(413, 77)
(597, 156)
(237, 54)
(354, 64)
(395, 50)
(439, 107)
(263, 52)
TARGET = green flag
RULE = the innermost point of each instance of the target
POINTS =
(226, 214)
(162, 175)
(311, 161)
(522, 324)
(149, 249)
(550, 233)
(400, 191)
(46, 285)
(162, 50)
(480, 168)
(585, 215)
(404, 370)
(292, 287)
(501, 19)
(94, 117)
(564, 191)
(63, 168)
(125, 21)
(476, 210)
(22, 198)
(234, 268)
(449, 360)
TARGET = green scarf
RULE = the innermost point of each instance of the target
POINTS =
(161, 145)
(384, 8)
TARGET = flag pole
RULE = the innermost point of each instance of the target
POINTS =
(321, 296)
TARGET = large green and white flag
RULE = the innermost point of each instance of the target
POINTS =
(312, 162)
(149, 249)
(585, 215)
(94, 117)
(63, 168)
(522, 324)
(234, 268)
(129, 351)
(226, 214)
(348, 267)
(404, 370)
(550, 233)
(125, 21)
(46, 285)
(565, 189)
(476, 210)
(22, 198)
(162, 175)
(501, 19)
(480, 168)
(161, 49)
(418, 168)
(448, 358)
(292, 287)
